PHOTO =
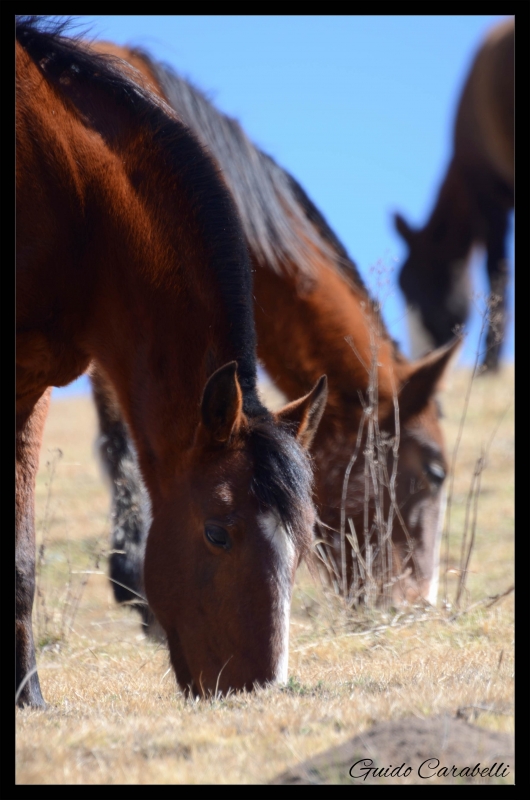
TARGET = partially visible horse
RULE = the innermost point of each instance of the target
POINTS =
(130, 254)
(472, 208)
(313, 314)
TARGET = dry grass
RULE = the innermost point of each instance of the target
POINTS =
(114, 714)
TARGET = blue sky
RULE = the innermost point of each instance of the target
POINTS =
(358, 108)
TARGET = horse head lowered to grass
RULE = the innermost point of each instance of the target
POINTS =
(130, 255)
(313, 315)
(472, 207)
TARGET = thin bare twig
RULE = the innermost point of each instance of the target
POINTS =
(447, 526)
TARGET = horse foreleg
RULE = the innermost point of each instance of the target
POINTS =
(28, 441)
(497, 266)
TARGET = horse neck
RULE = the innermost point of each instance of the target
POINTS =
(324, 325)
(140, 337)
(453, 224)
(149, 334)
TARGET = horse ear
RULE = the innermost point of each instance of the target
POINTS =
(425, 377)
(404, 229)
(305, 414)
(222, 403)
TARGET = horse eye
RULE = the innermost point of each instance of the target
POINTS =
(434, 472)
(218, 536)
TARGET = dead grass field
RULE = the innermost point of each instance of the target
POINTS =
(114, 713)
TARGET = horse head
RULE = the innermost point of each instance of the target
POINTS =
(220, 584)
(421, 470)
(435, 282)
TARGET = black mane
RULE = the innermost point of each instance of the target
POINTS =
(273, 207)
(282, 479)
(266, 195)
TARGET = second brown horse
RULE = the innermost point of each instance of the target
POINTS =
(313, 315)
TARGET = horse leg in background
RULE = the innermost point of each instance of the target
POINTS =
(130, 513)
(497, 266)
(30, 427)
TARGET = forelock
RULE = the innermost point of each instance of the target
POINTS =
(282, 479)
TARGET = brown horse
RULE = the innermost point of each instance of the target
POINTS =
(130, 254)
(472, 208)
(312, 313)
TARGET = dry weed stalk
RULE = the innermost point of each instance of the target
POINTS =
(364, 580)
(53, 625)
(43, 614)
(369, 566)
(489, 316)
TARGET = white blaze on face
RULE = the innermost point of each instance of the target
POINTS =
(433, 587)
(285, 555)
(421, 341)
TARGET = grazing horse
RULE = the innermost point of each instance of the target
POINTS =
(472, 208)
(313, 313)
(130, 254)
